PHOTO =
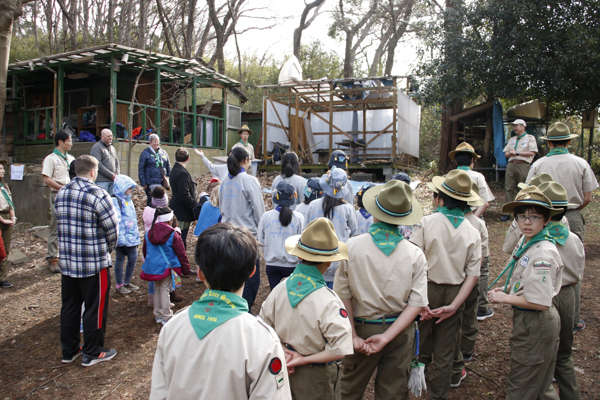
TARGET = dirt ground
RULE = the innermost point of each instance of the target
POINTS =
(30, 350)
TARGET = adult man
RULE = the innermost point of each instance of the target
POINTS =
(108, 162)
(519, 151)
(183, 189)
(87, 234)
(55, 172)
(576, 176)
(154, 165)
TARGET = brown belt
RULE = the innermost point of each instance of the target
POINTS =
(519, 162)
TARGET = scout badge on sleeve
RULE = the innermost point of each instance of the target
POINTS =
(416, 382)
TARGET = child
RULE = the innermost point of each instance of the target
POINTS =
(453, 251)
(210, 213)
(245, 356)
(339, 159)
(129, 234)
(534, 278)
(309, 317)
(205, 196)
(364, 220)
(290, 172)
(164, 253)
(335, 208)
(274, 228)
(405, 230)
(158, 198)
(312, 191)
(384, 287)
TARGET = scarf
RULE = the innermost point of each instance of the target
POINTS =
(385, 236)
(241, 170)
(7, 196)
(558, 231)
(364, 213)
(304, 280)
(214, 308)
(557, 150)
(517, 141)
(463, 168)
(64, 156)
(456, 216)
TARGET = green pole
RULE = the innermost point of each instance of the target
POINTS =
(194, 111)
(113, 97)
(60, 99)
(158, 110)
(223, 136)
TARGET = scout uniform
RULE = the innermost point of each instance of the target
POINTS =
(452, 247)
(308, 316)
(571, 251)
(536, 268)
(6, 204)
(518, 166)
(383, 275)
(56, 167)
(246, 146)
(364, 219)
(214, 349)
(484, 190)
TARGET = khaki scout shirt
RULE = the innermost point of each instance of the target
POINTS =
(378, 284)
(452, 254)
(483, 231)
(537, 275)
(484, 190)
(573, 172)
(248, 147)
(318, 323)
(4, 206)
(573, 256)
(56, 168)
(513, 234)
(524, 143)
(231, 362)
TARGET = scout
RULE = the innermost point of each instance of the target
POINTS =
(520, 151)
(55, 173)
(452, 247)
(214, 349)
(577, 177)
(572, 254)
(308, 316)
(339, 159)
(384, 287)
(534, 277)
(364, 219)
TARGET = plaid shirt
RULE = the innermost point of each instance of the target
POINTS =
(87, 228)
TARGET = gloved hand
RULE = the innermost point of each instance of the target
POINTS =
(416, 382)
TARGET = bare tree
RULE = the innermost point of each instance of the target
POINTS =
(221, 29)
(304, 24)
(142, 25)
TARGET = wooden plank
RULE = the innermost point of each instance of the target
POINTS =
(394, 122)
(275, 125)
(265, 94)
(280, 121)
(380, 133)
(331, 125)
(470, 111)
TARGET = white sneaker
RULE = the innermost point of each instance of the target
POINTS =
(132, 287)
(123, 290)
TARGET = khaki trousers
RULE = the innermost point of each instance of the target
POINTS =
(315, 381)
(469, 330)
(441, 339)
(162, 306)
(6, 238)
(564, 371)
(483, 284)
(52, 251)
(392, 364)
(515, 174)
(533, 346)
(577, 226)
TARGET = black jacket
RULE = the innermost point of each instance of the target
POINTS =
(183, 189)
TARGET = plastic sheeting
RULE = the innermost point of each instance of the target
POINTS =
(499, 136)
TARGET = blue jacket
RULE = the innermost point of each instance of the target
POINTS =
(129, 234)
(209, 216)
(148, 172)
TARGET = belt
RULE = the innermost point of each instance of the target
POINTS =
(570, 285)
(524, 309)
(379, 321)
(5, 212)
(519, 162)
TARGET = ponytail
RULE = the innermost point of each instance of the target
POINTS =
(329, 205)
(285, 215)
(157, 213)
(290, 165)
(237, 156)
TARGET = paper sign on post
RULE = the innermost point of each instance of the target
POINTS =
(16, 172)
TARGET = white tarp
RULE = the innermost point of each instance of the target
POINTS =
(409, 119)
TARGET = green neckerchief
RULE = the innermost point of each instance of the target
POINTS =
(557, 150)
(463, 167)
(242, 142)
(517, 141)
(214, 308)
(456, 216)
(542, 235)
(159, 160)
(304, 280)
(7, 196)
(559, 232)
(385, 236)
(64, 156)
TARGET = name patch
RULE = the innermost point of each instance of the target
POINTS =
(524, 261)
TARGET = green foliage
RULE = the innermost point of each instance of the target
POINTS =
(317, 62)
(429, 136)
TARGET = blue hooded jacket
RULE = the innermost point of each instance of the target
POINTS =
(129, 234)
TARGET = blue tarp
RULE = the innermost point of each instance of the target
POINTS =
(499, 136)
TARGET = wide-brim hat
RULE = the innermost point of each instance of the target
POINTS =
(3, 161)
(537, 180)
(393, 203)
(333, 182)
(245, 128)
(338, 159)
(317, 243)
(284, 194)
(464, 147)
(556, 193)
(457, 184)
(559, 131)
(530, 196)
(476, 203)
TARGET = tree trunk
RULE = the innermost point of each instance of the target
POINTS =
(190, 29)
(128, 19)
(110, 21)
(73, 23)
(304, 24)
(142, 26)
(35, 32)
(86, 22)
(349, 57)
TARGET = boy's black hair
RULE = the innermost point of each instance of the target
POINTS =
(290, 165)
(561, 143)
(237, 156)
(313, 263)
(61, 135)
(560, 216)
(451, 203)
(226, 255)
(544, 212)
(463, 158)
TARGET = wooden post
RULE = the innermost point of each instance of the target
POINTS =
(60, 98)
(265, 107)
(157, 91)
(330, 119)
(113, 97)
(364, 159)
(296, 134)
(194, 112)
(395, 120)
(224, 116)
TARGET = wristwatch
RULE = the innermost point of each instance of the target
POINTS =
(517, 153)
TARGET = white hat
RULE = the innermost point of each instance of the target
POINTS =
(519, 121)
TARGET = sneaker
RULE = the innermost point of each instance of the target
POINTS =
(132, 287)
(105, 355)
(69, 360)
(468, 357)
(485, 314)
(123, 290)
(579, 326)
(463, 375)
(53, 265)
(175, 298)
(159, 321)
(504, 217)
(5, 285)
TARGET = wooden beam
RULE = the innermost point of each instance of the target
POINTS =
(394, 121)
(332, 125)
(280, 121)
(470, 111)
(265, 107)
(380, 133)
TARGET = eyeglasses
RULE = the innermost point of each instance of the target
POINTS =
(532, 218)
